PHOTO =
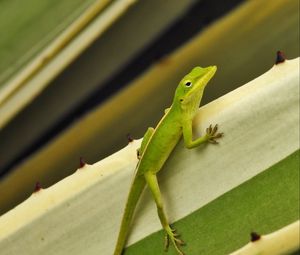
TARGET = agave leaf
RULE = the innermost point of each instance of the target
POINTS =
(81, 213)
(249, 52)
(36, 75)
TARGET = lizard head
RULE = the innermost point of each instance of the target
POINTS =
(190, 89)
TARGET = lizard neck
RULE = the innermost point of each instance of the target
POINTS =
(184, 110)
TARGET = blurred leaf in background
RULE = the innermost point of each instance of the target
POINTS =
(29, 26)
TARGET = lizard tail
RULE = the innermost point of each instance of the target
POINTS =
(136, 189)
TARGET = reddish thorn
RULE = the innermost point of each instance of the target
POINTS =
(254, 237)
(129, 138)
(37, 187)
(81, 162)
(280, 57)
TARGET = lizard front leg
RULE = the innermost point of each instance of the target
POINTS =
(151, 180)
(210, 136)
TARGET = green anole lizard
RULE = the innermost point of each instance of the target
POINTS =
(158, 143)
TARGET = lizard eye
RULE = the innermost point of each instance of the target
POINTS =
(188, 84)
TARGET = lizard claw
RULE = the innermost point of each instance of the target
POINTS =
(212, 135)
(167, 243)
(172, 236)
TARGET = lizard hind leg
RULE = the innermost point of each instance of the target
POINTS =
(171, 234)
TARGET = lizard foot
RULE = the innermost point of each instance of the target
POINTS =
(212, 134)
(173, 236)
